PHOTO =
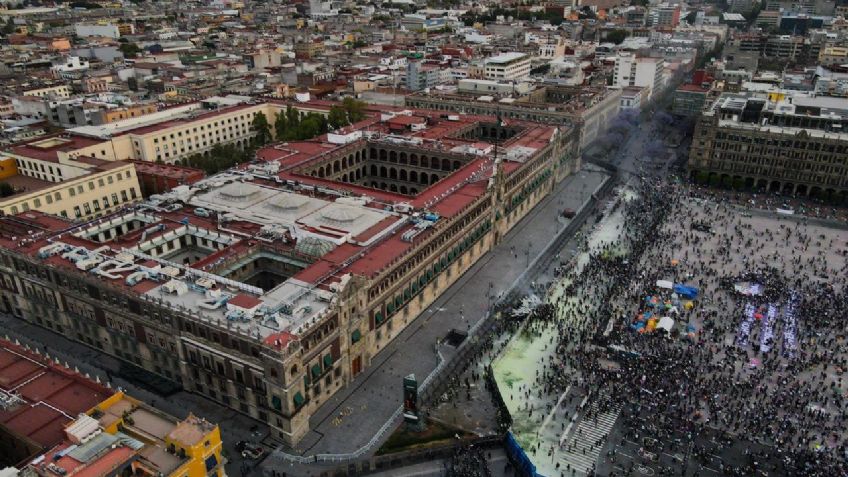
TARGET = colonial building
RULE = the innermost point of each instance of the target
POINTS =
(583, 111)
(270, 287)
(779, 142)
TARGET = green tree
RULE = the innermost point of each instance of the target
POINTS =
(130, 50)
(281, 124)
(262, 129)
(617, 36)
(6, 189)
(355, 109)
(293, 116)
(337, 118)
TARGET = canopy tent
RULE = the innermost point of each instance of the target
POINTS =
(686, 291)
(665, 284)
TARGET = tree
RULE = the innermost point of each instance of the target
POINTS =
(262, 129)
(281, 124)
(219, 158)
(6, 189)
(355, 109)
(337, 118)
(617, 36)
(9, 27)
(292, 116)
(130, 50)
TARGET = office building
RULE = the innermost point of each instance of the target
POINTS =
(507, 67)
(634, 70)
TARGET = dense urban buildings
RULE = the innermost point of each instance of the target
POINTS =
(55, 422)
(252, 201)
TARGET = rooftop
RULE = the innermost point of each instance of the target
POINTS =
(38, 397)
(283, 209)
(119, 431)
(505, 58)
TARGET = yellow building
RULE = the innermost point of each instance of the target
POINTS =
(8, 168)
(82, 173)
(124, 436)
(182, 131)
(51, 180)
(833, 55)
(58, 91)
(119, 114)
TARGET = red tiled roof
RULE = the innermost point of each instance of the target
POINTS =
(52, 395)
(71, 143)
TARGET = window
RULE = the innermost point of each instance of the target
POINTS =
(124, 196)
(100, 182)
(110, 179)
(87, 208)
(114, 198)
(77, 213)
(91, 185)
(36, 202)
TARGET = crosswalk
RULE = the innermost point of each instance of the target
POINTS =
(580, 450)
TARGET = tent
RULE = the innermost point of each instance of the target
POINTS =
(686, 291)
(666, 323)
(665, 284)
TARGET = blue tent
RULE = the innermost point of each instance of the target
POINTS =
(686, 291)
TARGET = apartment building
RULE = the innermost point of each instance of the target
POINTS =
(833, 55)
(55, 422)
(507, 67)
(61, 91)
(633, 70)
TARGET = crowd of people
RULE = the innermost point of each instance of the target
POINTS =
(468, 461)
(765, 361)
